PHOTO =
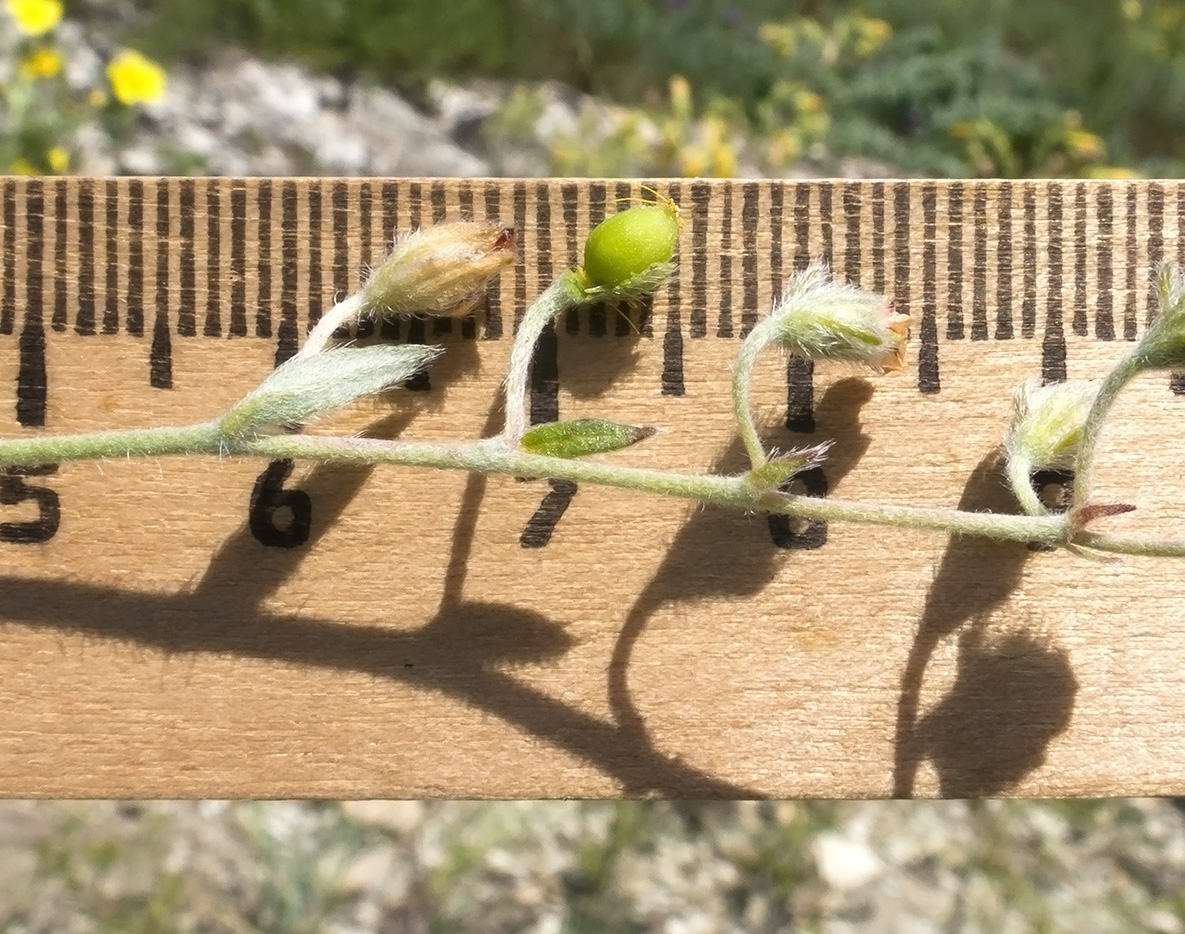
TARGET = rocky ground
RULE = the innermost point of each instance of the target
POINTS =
(548, 868)
(534, 867)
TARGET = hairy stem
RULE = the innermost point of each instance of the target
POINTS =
(1109, 391)
(495, 456)
(559, 296)
(1020, 478)
(204, 438)
(342, 313)
(742, 376)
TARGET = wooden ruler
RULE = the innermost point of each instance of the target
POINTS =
(195, 627)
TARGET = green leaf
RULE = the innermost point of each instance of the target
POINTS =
(580, 437)
(307, 386)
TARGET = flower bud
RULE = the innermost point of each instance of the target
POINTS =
(629, 254)
(826, 320)
(439, 270)
(1163, 344)
(1047, 425)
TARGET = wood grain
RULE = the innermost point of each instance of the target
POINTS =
(404, 633)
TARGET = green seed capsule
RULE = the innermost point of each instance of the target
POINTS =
(627, 244)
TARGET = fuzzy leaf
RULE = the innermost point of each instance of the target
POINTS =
(580, 437)
(308, 386)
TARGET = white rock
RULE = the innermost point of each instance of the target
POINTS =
(845, 864)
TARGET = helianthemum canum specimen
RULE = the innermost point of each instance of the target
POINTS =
(441, 270)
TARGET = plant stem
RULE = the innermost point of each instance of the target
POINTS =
(343, 312)
(742, 376)
(1020, 473)
(204, 438)
(562, 294)
(1132, 545)
(1119, 377)
(496, 456)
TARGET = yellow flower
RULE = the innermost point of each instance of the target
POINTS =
(35, 17)
(1111, 171)
(23, 167)
(97, 99)
(44, 63)
(58, 159)
(135, 79)
(809, 102)
(1085, 145)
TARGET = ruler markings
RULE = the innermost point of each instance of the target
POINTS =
(160, 354)
(264, 264)
(545, 368)
(437, 197)
(879, 272)
(1053, 344)
(750, 192)
(186, 318)
(1104, 322)
(212, 326)
(493, 300)
(339, 210)
(61, 219)
(827, 223)
(1133, 259)
(852, 210)
(150, 249)
(1155, 241)
(389, 328)
(929, 381)
(1028, 309)
(800, 382)
(111, 241)
(701, 202)
(979, 263)
(31, 384)
(366, 220)
(84, 323)
(134, 302)
(1079, 323)
(569, 202)
(1004, 248)
(776, 218)
(802, 226)
(672, 380)
(675, 291)
(287, 339)
(954, 263)
(314, 204)
(800, 394)
(237, 326)
(9, 309)
(902, 255)
(416, 330)
(724, 315)
(518, 200)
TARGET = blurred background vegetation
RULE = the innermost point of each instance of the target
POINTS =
(932, 87)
